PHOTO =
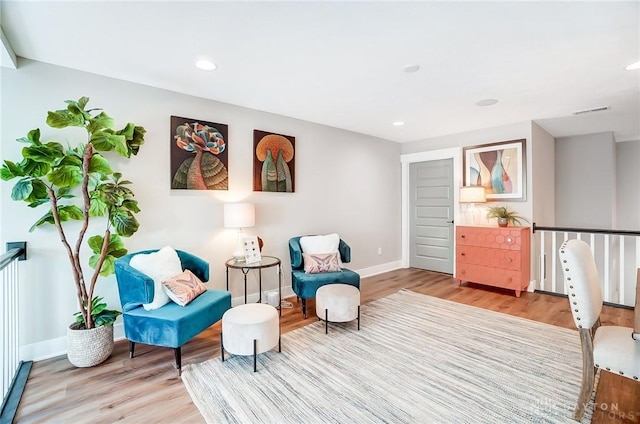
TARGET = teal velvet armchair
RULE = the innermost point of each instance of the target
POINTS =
(305, 285)
(170, 325)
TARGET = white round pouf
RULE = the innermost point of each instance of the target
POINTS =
(247, 326)
(338, 303)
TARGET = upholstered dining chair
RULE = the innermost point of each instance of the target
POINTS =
(169, 325)
(306, 284)
(609, 348)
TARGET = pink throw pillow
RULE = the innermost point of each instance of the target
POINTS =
(320, 262)
(184, 287)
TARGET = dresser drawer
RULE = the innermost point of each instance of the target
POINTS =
(498, 277)
(495, 238)
(494, 258)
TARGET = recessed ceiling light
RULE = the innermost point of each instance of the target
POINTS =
(633, 66)
(205, 65)
(486, 102)
(411, 68)
(398, 123)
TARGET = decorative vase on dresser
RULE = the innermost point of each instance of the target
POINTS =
(494, 256)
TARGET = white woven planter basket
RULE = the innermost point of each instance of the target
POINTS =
(87, 348)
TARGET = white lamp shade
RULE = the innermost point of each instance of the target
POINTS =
(239, 215)
(472, 194)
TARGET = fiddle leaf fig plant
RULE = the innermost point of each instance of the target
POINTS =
(77, 183)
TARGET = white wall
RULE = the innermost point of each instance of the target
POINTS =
(345, 182)
(627, 178)
(585, 176)
(543, 175)
(628, 204)
(543, 191)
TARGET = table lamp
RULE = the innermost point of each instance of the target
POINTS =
(239, 215)
(472, 195)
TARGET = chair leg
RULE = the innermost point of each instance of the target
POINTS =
(132, 346)
(178, 355)
(588, 373)
(304, 308)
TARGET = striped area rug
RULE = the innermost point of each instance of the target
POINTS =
(416, 359)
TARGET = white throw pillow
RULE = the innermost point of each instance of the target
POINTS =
(160, 266)
(321, 244)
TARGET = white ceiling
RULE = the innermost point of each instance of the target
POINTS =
(341, 63)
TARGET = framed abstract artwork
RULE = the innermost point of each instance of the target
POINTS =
(273, 162)
(499, 167)
(199, 157)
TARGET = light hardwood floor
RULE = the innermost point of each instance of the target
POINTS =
(147, 388)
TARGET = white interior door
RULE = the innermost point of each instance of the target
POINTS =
(431, 200)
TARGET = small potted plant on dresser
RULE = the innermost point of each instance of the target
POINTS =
(505, 216)
(78, 184)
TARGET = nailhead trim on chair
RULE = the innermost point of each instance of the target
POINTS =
(571, 287)
(578, 319)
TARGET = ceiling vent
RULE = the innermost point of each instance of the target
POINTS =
(597, 109)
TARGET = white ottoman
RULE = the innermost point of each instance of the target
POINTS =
(338, 303)
(250, 329)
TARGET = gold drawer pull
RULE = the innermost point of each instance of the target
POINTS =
(509, 279)
(462, 236)
(509, 260)
(462, 272)
(462, 254)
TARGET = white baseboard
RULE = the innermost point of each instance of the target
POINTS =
(57, 347)
(379, 269)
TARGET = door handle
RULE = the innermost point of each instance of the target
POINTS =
(450, 222)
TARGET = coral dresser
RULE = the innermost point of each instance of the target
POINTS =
(495, 256)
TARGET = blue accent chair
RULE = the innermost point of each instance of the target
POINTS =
(305, 285)
(170, 325)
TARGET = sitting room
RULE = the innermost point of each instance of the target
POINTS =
(321, 211)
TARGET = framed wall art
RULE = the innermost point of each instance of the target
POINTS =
(499, 167)
(273, 162)
(199, 157)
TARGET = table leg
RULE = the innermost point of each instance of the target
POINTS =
(260, 285)
(280, 288)
(245, 285)
(227, 279)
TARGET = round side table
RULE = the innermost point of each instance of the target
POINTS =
(266, 262)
